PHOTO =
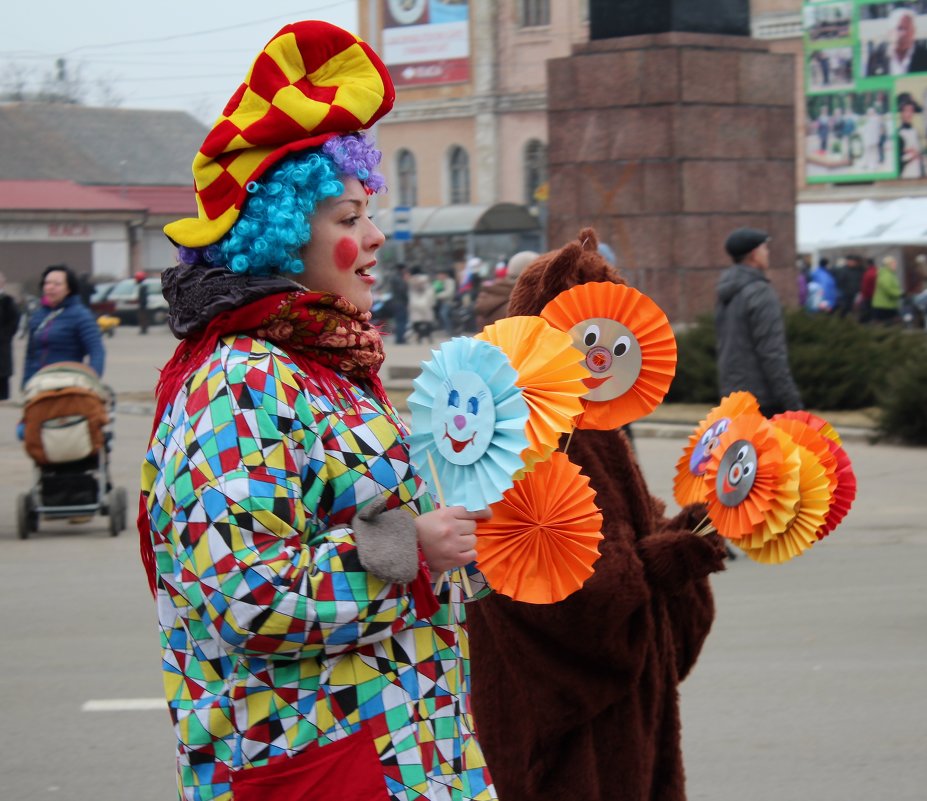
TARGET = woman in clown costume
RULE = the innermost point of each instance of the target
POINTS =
(288, 541)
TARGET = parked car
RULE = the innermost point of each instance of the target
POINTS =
(99, 300)
(382, 309)
(125, 301)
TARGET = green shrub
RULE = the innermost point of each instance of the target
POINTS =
(696, 378)
(903, 398)
(837, 364)
(833, 360)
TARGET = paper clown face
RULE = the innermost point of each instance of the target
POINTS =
(690, 484)
(701, 453)
(463, 418)
(736, 473)
(628, 345)
(613, 357)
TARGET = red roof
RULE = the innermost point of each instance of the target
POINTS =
(60, 196)
(177, 200)
(70, 196)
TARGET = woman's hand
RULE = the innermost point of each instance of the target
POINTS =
(448, 536)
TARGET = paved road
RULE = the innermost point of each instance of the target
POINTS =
(811, 686)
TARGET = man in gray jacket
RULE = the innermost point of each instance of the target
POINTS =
(752, 351)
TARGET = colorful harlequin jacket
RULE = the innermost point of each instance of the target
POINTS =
(284, 662)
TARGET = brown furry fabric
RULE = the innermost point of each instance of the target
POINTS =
(578, 699)
(578, 262)
(492, 300)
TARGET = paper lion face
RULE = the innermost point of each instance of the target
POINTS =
(613, 357)
(464, 419)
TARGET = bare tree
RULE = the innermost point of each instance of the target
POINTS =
(14, 83)
(65, 84)
(107, 94)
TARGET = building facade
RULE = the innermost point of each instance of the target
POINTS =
(91, 188)
(466, 153)
(871, 217)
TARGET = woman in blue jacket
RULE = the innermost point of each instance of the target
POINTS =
(63, 328)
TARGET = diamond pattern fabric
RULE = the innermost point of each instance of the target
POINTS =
(276, 644)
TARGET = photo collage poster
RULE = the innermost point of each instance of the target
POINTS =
(866, 90)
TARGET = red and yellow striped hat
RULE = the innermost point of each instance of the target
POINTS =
(311, 82)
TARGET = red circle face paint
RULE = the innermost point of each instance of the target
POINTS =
(345, 253)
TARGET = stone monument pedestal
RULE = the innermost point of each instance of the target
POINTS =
(664, 143)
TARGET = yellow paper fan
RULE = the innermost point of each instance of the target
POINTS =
(814, 501)
(628, 345)
(689, 483)
(550, 376)
(751, 482)
(815, 440)
(542, 541)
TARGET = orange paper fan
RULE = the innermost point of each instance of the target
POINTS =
(814, 501)
(752, 482)
(550, 376)
(543, 538)
(628, 345)
(689, 483)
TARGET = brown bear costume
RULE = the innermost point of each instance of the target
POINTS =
(578, 700)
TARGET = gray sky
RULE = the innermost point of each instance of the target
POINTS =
(173, 54)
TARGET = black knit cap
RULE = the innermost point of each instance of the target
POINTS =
(742, 240)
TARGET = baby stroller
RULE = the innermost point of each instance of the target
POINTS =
(67, 417)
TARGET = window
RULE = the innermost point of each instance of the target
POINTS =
(535, 13)
(407, 174)
(459, 168)
(535, 169)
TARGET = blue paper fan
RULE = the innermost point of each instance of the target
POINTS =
(469, 416)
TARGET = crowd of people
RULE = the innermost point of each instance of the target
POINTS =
(869, 290)
(419, 303)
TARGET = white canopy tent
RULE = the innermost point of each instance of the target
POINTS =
(865, 224)
(462, 219)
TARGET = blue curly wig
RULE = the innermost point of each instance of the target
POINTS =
(274, 224)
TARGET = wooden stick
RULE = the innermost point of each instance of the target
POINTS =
(465, 578)
(569, 440)
(440, 492)
(436, 481)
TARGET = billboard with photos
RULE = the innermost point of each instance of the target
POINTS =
(866, 90)
(426, 41)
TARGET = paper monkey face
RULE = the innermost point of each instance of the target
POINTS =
(701, 453)
(613, 356)
(736, 473)
(463, 418)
